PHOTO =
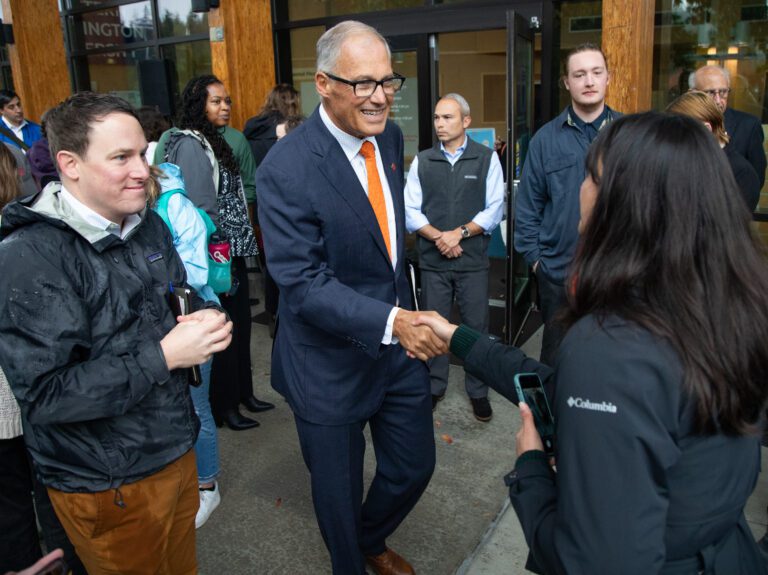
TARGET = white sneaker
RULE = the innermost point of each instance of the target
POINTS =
(209, 500)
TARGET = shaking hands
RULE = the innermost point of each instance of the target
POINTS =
(424, 334)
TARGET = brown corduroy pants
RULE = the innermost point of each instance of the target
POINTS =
(146, 527)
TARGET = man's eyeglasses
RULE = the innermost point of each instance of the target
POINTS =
(722, 93)
(366, 88)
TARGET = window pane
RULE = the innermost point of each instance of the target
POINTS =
(177, 19)
(301, 9)
(74, 4)
(474, 64)
(190, 59)
(116, 73)
(116, 26)
(731, 34)
(303, 58)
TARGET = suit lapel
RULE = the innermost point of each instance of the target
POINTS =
(335, 166)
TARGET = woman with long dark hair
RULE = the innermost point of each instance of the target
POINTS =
(214, 183)
(660, 381)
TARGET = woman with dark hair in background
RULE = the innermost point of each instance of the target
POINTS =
(213, 182)
(282, 102)
(659, 383)
(701, 107)
(19, 541)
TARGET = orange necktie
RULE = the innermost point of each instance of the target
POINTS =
(376, 192)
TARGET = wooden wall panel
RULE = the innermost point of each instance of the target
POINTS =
(38, 60)
(628, 45)
(245, 59)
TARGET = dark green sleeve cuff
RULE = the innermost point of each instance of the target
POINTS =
(463, 339)
(531, 454)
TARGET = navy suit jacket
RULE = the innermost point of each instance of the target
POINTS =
(337, 286)
(746, 137)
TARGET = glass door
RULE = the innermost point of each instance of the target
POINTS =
(520, 294)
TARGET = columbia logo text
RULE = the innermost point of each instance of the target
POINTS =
(592, 406)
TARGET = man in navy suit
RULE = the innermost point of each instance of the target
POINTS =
(744, 130)
(347, 352)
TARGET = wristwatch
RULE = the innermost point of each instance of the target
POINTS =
(464, 232)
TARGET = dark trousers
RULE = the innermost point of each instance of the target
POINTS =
(404, 444)
(231, 373)
(438, 289)
(552, 299)
(271, 293)
(19, 542)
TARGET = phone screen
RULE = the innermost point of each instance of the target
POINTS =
(536, 398)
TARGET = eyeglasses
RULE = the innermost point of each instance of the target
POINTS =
(366, 88)
(722, 93)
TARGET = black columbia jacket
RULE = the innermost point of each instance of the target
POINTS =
(637, 490)
(82, 313)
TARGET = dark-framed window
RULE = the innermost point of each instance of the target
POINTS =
(142, 50)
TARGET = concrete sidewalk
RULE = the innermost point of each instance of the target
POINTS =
(463, 524)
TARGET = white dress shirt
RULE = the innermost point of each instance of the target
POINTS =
(487, 219)
(99, 221)
(351, 145)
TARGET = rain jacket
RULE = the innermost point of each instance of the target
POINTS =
(82, 313)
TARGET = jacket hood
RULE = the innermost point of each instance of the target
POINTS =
(48, 206)
(172, 178)
(261, 126)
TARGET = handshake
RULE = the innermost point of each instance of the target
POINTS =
(423, 334)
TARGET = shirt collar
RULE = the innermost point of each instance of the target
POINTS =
(97, 220)
(573, 119)
(11, 126)
(349, 144)
(459, 151)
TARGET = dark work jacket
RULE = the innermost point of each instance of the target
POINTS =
(547, 202)
(82, 313)
(746, 134)
(261, 135)
(745, 176)
(451, 196)
(637, 491)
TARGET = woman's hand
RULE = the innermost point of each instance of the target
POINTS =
(527, 438)
(441, 326)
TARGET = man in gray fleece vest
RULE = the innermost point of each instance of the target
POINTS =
(454, 199)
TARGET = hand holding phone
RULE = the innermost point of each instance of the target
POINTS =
(531, 392)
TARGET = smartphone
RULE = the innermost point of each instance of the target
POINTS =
(531, 391)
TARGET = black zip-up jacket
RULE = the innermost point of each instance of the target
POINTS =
(82, 313)
(637, 490)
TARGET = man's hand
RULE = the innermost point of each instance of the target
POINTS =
(418, 340)
(438, 324)
(196, 338)
(454, 253)
(527, 438)
(448, 240)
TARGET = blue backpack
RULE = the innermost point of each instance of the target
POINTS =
(172, 182)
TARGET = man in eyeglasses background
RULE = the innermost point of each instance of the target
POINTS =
(330, 197)
(745, 130)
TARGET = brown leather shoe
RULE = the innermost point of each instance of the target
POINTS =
(389, 563)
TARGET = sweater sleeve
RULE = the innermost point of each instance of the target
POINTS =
(497, 364)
